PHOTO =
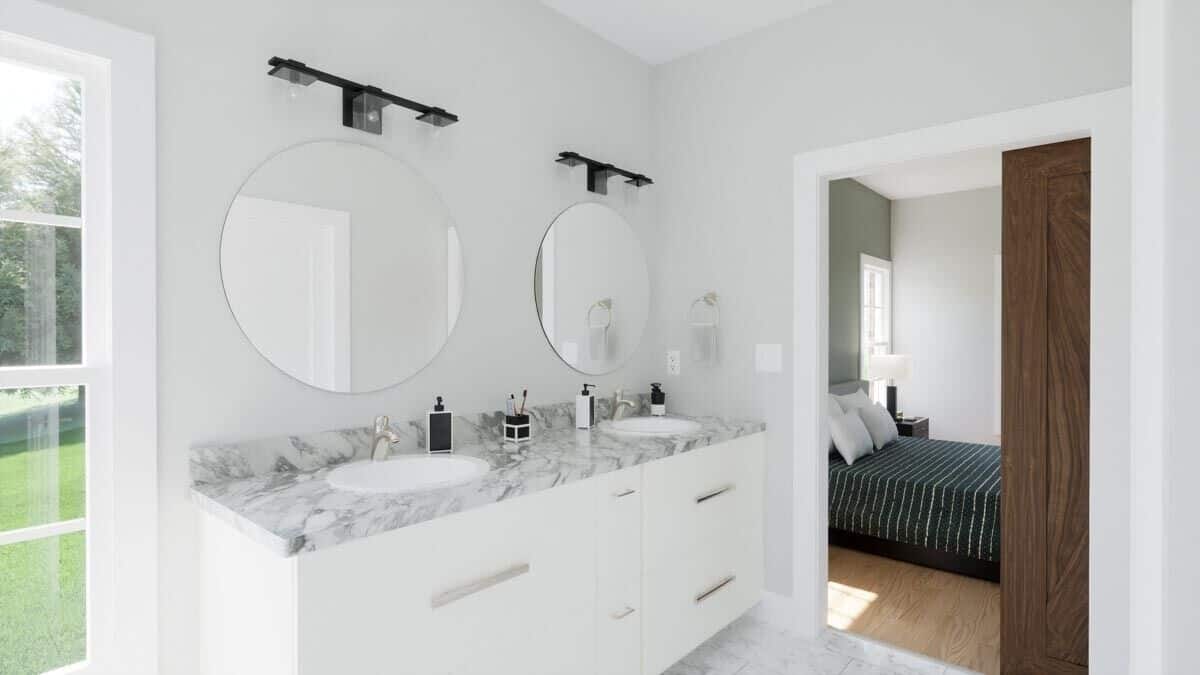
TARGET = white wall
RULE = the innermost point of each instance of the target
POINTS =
(943, 295)
(1182, 335)
(731, 119)
(527, 84)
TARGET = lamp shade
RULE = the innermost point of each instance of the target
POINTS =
(890, 366)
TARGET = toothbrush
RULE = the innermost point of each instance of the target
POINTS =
(524, 395)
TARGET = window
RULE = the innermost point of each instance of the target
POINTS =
(53, 349)
(875, 275)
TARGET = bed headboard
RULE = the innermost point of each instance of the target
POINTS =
(843, 388)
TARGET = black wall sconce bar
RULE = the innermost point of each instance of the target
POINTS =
(362, 104)
(599, 172)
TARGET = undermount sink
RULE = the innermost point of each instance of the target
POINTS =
(654, 426)
(417, 473)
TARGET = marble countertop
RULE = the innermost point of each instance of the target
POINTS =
(274, 490)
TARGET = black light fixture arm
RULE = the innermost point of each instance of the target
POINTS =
(599, 172)
(361, 103)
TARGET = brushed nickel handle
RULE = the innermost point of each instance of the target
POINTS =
(624, 493)
(623, 613)
(715, 493)
(455, 594)
(721, 584)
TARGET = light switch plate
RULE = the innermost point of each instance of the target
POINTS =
(673, 362)
(768, 358)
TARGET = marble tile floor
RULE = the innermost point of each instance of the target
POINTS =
(750, 646)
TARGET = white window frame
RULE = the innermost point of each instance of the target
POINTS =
(119, 333)
(866, 348)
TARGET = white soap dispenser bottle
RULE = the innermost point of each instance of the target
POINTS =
(585, 408)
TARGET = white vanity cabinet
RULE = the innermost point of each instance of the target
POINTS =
(620, 574)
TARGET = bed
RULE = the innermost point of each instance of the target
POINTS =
(926, 501)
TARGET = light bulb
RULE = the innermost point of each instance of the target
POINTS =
(373, 116)
(293, 91)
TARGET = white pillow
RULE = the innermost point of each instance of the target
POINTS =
(833, 410)
(879, 424)
(850, 436)
(854, 401)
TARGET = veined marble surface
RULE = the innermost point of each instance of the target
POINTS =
(274, 490)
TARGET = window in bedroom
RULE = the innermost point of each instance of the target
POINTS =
(875, 275)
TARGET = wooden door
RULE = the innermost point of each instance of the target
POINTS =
(1044, 494)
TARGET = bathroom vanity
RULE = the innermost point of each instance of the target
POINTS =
(581, 552)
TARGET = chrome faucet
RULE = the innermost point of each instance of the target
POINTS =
(382, 439)
(619, 404)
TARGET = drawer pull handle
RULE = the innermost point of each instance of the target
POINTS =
(625, 493)
(623, 613)
(722, 584)
(456, 594)
(715, 493)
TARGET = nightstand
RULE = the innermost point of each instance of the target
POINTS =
(917, 427)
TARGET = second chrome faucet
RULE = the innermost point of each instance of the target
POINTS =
(619, 404)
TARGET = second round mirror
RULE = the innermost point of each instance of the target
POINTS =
(592, 288)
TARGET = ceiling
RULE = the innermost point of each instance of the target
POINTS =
(937, 175)
(658, 31)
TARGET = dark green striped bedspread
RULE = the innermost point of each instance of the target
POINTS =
(943, 495)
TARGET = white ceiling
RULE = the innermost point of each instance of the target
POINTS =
(937, 175)
(658, 31)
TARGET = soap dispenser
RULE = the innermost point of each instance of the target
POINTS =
(658, 400)
(439, 430)
(585, 408)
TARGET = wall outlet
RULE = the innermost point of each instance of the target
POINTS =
(673, 362)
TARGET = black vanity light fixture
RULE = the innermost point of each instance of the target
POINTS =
(599, 172)
(362, 104)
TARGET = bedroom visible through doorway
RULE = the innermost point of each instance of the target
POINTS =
(913, 405)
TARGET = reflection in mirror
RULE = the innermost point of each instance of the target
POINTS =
(342, 266)
(592, 288)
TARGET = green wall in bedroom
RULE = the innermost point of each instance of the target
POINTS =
(860, 221)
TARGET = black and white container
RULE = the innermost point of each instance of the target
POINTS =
(517, 429)
(658, 400)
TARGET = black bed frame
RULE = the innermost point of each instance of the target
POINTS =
(918, 555)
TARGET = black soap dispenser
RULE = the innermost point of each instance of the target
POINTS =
(658, 400)
(439, 430)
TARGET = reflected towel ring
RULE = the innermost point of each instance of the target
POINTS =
(709, 299)
(605, 304)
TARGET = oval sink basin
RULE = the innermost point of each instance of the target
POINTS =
(654, 426)
(417, 473)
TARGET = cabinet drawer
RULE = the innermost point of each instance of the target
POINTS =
(687, 605)
(702, 501)
(702, 544)
(509, 588)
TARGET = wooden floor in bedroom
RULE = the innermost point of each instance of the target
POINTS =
(949, 617)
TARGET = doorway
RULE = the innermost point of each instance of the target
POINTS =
(1104, 118)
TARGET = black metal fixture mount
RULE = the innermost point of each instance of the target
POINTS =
(362, 104)
(599, 172)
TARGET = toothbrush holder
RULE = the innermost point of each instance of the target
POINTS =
(517, 429)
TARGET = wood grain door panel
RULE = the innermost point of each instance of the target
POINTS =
(1045, 346)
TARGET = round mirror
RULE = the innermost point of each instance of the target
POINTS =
(342, 266)
(591, 288)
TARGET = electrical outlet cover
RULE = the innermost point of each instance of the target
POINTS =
(673, 362)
